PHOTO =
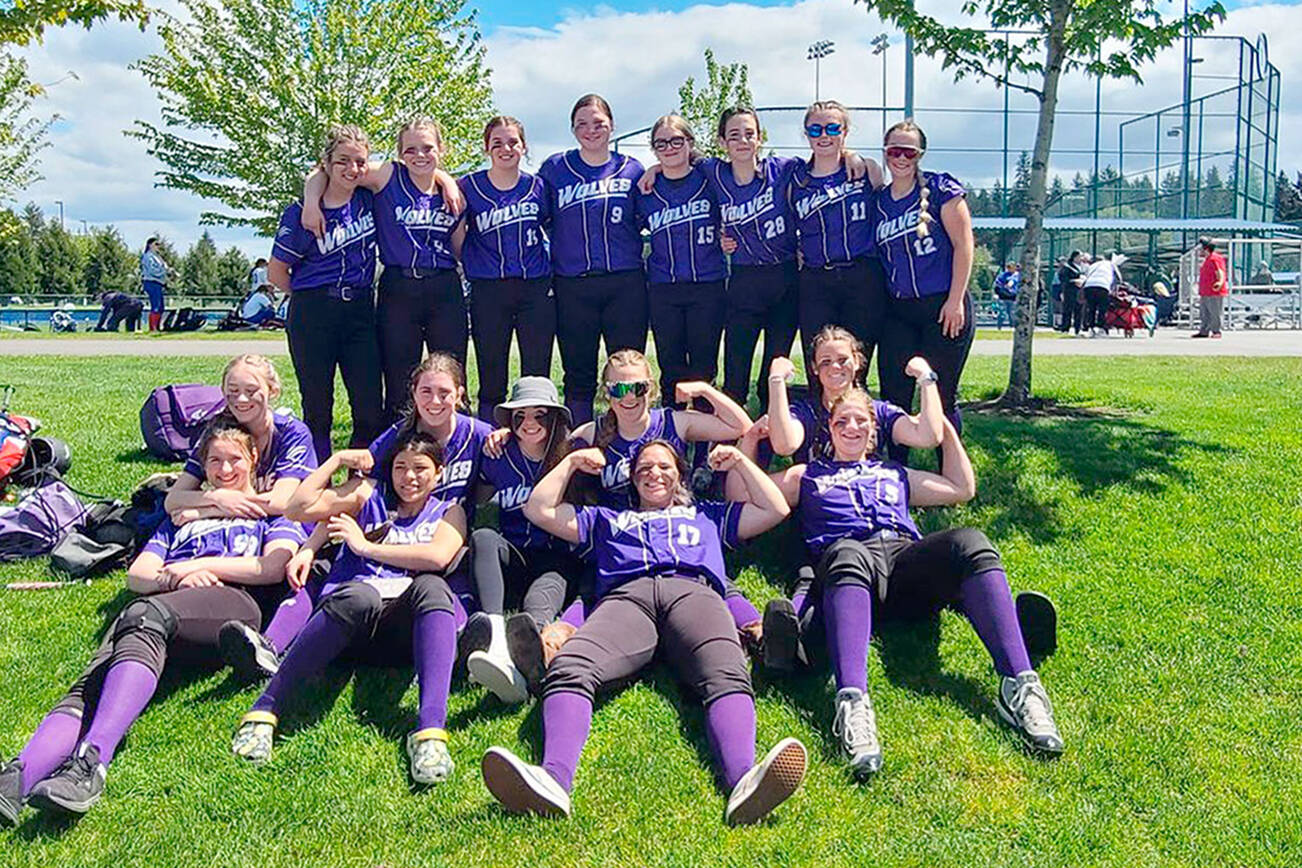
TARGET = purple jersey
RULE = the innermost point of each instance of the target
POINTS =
(389, 580)
(916, 265)
(220, 537)
(290, 456)
(682, 216)
(617, 491)
(413, 227)
(853, 500)
(676, 541)
(813, 417)
(512, 477)
(594, 221)
(461, 457)
(504, 236)
(832, 216)
(756, 215)
(344, 257)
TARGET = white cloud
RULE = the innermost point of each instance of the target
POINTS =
(636, 60)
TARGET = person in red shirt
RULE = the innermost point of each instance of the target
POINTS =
(1213, 286)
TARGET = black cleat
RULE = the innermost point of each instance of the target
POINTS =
(524, 643)
(475, 636)
(783, 650)
(247, 651)
(11, 792)
(75, 786)
(1038, 619)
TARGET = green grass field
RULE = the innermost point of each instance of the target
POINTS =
(1163, 518)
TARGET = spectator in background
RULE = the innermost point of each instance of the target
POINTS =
(1101, 276)
(1007, 285)
(259, 305)
(1213, 286)
(153, 278)
(1055, 287)
(258, 276)
(118, 307)
(1262, 276)
(1071, 277)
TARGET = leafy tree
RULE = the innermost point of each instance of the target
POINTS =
(199, 270)
(22, 136)
(60, 260)
(233, 272)
(22, 23)
(110, 264)
(725, 86)
(18, 263)
(1288, 198)
(250, 87)
(1064, 36)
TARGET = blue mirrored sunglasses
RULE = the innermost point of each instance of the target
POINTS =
(816, 130)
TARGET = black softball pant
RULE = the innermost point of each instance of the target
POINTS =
(912, 329)
(687, 323)
(1096, 305)
(853, 297)
(589, 308)
(1071, 308)
(538, 582)
(180, 625)
(683, 621)
(498, 307)
(326, 332)
(910, 578)
(428, 310)
(761, 298)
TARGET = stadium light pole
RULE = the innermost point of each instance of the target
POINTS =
(879, 44)
(59, 202)
(820, 49)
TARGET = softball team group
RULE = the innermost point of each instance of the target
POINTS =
(601, 558)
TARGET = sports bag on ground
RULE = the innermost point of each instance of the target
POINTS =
(173, 418)
(41, 519)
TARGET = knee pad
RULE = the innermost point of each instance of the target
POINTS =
(354, 605)
(146, 614)
(430, 593)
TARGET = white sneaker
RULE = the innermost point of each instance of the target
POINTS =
(1024, 705)
(769, 783)
(522, 788)
(855, 724)
(499, 675)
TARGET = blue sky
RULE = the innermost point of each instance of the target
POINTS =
(634, 52)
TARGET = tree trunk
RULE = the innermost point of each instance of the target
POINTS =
(1018, 392)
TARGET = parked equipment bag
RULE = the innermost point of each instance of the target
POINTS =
(41, 519)
(173, 417)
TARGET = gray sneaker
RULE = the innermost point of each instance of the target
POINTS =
(855, 724)
(1024, 705)
(11, 792)
(428, 756)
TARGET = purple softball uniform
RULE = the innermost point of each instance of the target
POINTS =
(757, 215)
(345, 257)
(853, 500)
(461, 458)
(682, 217)
(617, 491)
(814, 419)
(676, 541)
(832, 217)
(290, 456)
(389, 580)
(504, 235)
(413, 227)
(512, 477)
(916, 266)
(594, 219)
(220, 537)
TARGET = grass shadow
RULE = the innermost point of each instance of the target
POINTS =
(910, 654)
(377, 699)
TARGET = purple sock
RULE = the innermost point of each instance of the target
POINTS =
(52, 743)
(730, 726)
(988, 604)
(848, 617)
(800, 600)
(434, 646)
(289, 620)
(743, 611)
(575, 614)
(127, 689)
(567, 718)
(955, 418)
(320, 642)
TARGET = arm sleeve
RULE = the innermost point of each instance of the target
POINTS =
(281, 528)
(944, 187)
(726, 516)
(887, 415)
(161, 541)
(292, 240)
(295, 454)
(590, 520)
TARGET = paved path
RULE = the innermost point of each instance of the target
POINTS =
(1167, 342)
